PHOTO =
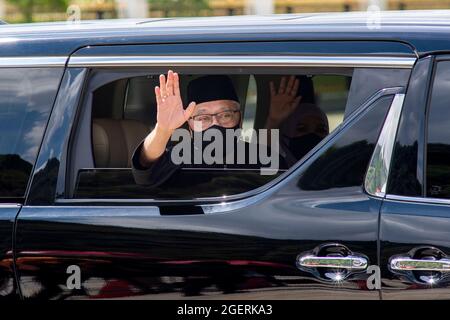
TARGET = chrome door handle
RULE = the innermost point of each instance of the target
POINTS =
(408, 264)
(348, 262)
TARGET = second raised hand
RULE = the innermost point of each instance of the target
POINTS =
(170, 112)
(284, 100)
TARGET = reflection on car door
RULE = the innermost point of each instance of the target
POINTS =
(8, 286)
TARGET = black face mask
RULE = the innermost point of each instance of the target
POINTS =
(299, 146)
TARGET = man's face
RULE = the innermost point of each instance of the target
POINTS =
(224, 113)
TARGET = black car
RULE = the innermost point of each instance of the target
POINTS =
(365, 214)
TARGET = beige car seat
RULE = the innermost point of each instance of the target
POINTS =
(114, 141)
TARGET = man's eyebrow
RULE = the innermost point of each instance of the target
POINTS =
(201, 111)
(223, 107)
(229, 107)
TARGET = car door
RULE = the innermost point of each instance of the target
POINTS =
(311, 233)
(415, 216)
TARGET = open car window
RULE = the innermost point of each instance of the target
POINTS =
(120, 110)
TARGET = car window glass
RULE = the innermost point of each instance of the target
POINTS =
(344, 163)
(26, 98)
(438, 135)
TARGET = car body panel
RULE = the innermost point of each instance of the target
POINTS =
(413, 226)
(407, 225)
(423, 31)
(248, 250)
(8, 284)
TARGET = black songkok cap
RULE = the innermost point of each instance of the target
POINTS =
(210, 88)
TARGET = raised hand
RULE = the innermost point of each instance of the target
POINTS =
(170, 112)
(170, 116)
(284, 101)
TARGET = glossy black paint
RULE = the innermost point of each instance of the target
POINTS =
(249, 251)
(414, 226)
(62, 39)
(44, 182)
(437, 142)
(8, 284)
(408, 225)
(407, 177)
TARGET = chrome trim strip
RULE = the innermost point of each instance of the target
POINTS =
(244, 61)
(418, 199)
(409, 264)
(377, 173)
(349, 262)
(54, 212)
(10, 205)
(32, 62)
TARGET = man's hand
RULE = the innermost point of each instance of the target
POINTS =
(170, 116)
(283, 102)
(170, 112)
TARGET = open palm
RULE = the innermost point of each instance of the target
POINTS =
(170, 112)
(284, 100)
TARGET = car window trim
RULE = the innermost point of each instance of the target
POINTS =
(33, 62)
(425, 200)
(384, 148)
(338, 61)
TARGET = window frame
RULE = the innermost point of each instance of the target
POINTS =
(437, 60)
(337, 62)
(83, 65)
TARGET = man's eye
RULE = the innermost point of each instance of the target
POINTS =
(226, 115)
(202, 118)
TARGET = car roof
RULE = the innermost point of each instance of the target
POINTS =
(425, 30)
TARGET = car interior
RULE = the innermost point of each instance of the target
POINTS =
(122, 119)
(124, 112)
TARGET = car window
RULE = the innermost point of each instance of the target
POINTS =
(438, 135)
(26, 98)
(344, 163)
(124, 111)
